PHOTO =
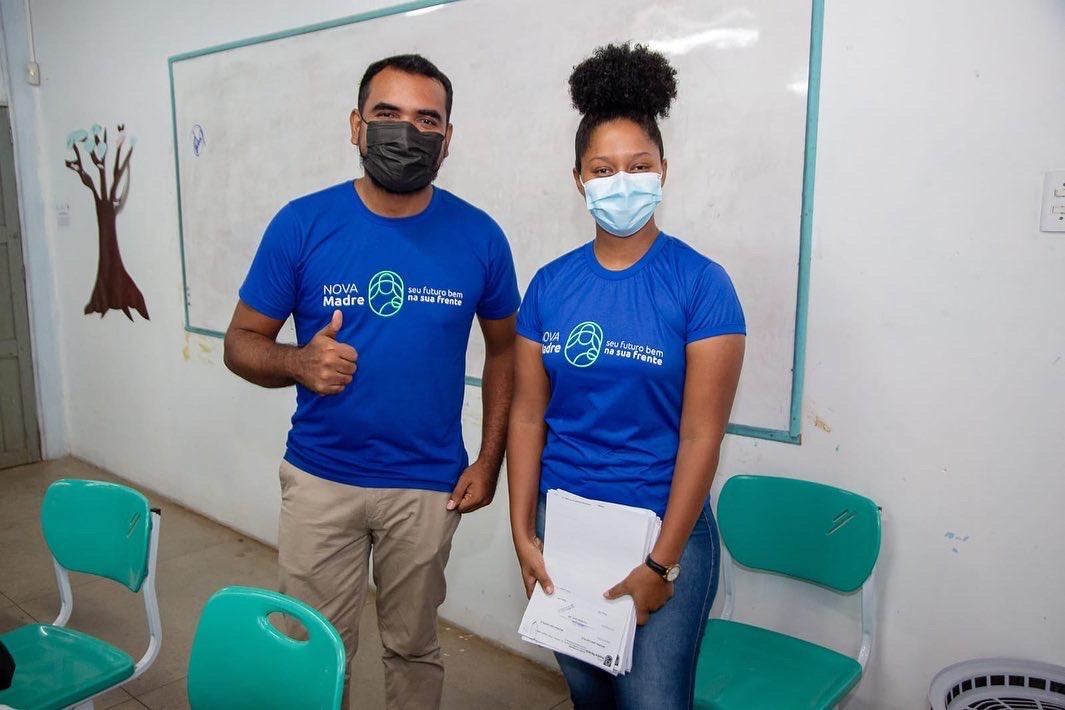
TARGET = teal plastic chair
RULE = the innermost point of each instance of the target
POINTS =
(240, 661)
(102, 529)
(808, 531)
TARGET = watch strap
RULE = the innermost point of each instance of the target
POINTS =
(660, 570)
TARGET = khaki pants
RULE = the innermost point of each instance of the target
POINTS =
(326, 533)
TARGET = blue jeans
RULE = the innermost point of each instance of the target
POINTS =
(667, 646)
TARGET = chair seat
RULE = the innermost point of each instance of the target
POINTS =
(56, 667)
(744, 667)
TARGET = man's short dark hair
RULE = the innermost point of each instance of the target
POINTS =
(411, 64)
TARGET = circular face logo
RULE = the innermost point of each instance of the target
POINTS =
(386, 293)
(584, 344)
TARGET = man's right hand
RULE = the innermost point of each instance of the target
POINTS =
(325, 365)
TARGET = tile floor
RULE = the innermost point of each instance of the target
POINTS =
(197, 557)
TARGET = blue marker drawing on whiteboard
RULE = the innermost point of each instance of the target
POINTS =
(957, 540)
(199, 141)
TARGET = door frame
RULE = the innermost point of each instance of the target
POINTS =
(23, 325)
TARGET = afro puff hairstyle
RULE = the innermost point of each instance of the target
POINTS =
(622, 81)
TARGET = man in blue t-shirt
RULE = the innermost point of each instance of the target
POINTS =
(383, 278)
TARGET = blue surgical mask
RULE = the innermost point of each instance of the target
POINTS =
(623, 202)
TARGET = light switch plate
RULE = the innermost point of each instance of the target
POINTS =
(1052, 217)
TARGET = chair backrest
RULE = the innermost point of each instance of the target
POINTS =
(806, 530)
(240, 660)
(98, 528)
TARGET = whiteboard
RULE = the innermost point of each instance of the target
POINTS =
(262, 121)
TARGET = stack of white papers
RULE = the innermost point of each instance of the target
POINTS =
(589, 546)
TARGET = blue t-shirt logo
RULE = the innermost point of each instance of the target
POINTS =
(584, 344)
(386, 293)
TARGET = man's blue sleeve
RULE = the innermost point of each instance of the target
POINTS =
(500, 298)
(271, 284)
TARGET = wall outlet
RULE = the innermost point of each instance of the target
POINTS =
(1052, 218)
(33, 73)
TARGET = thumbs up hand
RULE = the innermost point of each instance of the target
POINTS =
(327, 366)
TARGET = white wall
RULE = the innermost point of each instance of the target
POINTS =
(936, 361)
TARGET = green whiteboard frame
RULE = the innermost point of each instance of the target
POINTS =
(791, 435)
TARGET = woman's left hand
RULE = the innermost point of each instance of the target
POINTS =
(648, 590)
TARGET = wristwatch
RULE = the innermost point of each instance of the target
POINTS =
(669, 573)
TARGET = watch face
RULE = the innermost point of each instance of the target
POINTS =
(672, 573)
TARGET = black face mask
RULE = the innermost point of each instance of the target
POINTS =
(399, 157)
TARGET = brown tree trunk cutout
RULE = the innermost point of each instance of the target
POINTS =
(114, 288)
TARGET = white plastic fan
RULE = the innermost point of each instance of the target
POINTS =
(998, 684)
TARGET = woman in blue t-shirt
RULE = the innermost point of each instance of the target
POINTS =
(627, 365)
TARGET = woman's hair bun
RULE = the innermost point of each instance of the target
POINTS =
(624, 78)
